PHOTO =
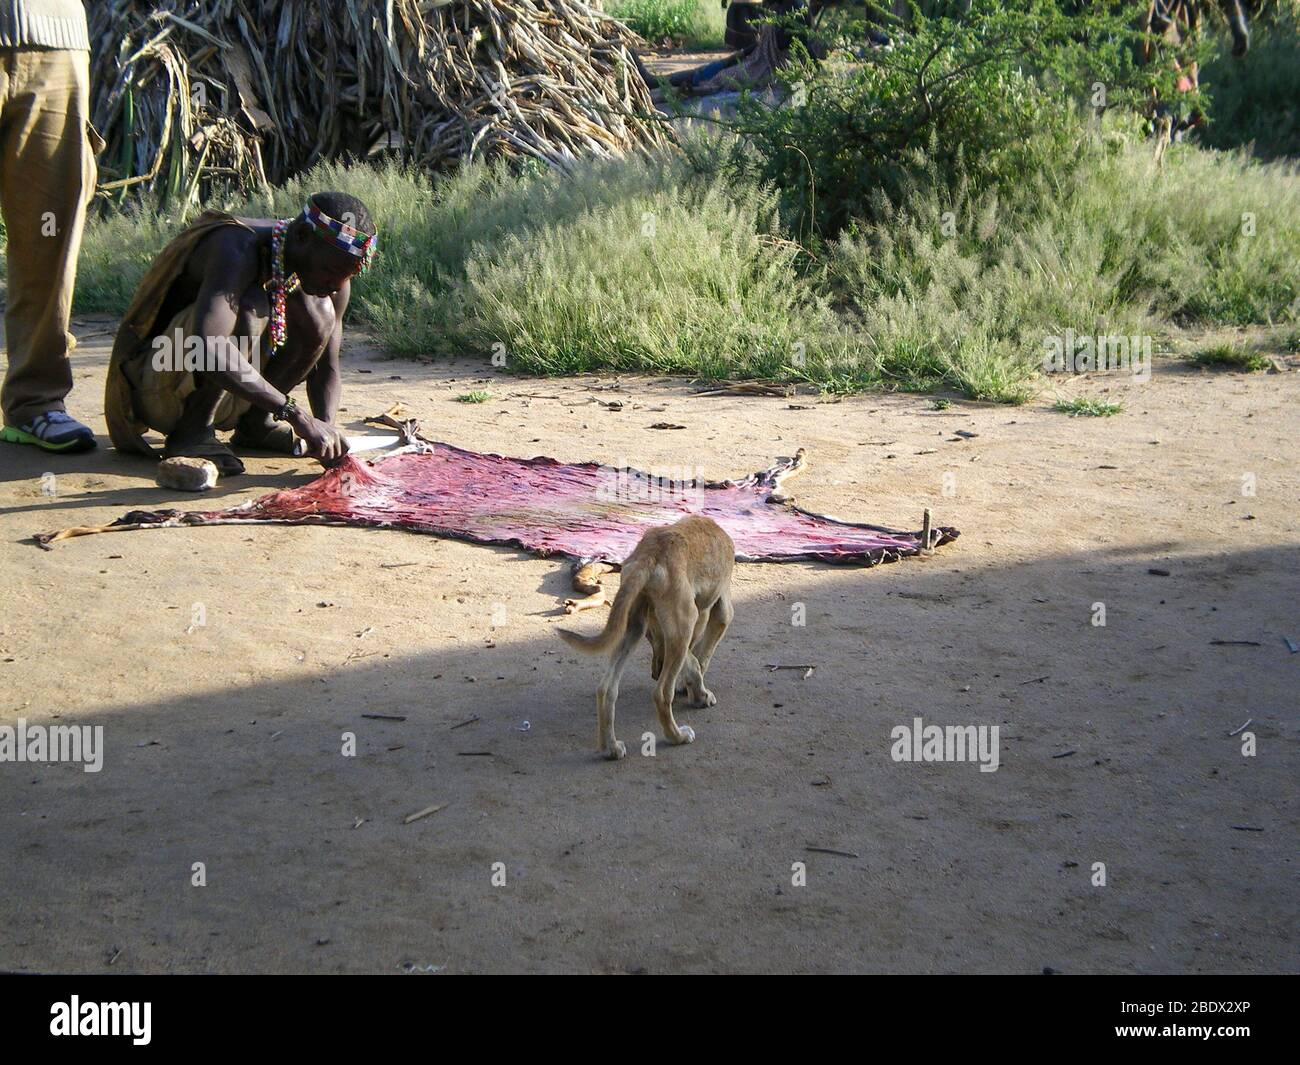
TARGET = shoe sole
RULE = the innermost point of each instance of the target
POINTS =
(12, 435)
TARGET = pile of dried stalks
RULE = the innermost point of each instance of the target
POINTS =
(199, 96)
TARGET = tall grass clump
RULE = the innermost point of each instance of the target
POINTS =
(646, 265)
(968, 288)
(633, 266)
(116, 250)
(1207, 237)
(693, 23)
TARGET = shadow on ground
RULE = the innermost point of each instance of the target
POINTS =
(1112, 750)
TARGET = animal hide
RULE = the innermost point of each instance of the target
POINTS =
(588, 512)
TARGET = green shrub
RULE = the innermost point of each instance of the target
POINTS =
(955, 98)
(1087, 407)
(1232, 357)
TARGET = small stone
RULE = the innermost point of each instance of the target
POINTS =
(186, 474)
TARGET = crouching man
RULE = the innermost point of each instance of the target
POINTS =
(233, 315)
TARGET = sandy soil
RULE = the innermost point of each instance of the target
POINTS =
(223, 742)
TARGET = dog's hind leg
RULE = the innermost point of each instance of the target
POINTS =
(607, 693)
(676, 622)
(692, 679)
(719, 621)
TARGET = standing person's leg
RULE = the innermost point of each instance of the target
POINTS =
(47, 177)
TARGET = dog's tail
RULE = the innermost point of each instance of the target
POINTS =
(630, 587)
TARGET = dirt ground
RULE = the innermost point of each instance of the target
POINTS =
(667, 62)
(223, 742)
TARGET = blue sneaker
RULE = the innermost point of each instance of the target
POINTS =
(54, 430)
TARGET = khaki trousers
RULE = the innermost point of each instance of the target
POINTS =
(47, 178)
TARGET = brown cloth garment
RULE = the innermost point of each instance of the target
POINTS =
(139, 326)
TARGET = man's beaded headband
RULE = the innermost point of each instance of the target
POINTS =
(343, 236)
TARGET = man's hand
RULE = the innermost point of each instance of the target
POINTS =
(324, 442)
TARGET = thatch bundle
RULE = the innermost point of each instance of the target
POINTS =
(205, 94)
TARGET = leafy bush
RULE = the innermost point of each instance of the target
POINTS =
(954, 99)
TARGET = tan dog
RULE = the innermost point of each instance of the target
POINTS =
(676, 589)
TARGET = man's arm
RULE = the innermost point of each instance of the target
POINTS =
(324, 384)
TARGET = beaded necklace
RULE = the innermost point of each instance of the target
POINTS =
(279, 286)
